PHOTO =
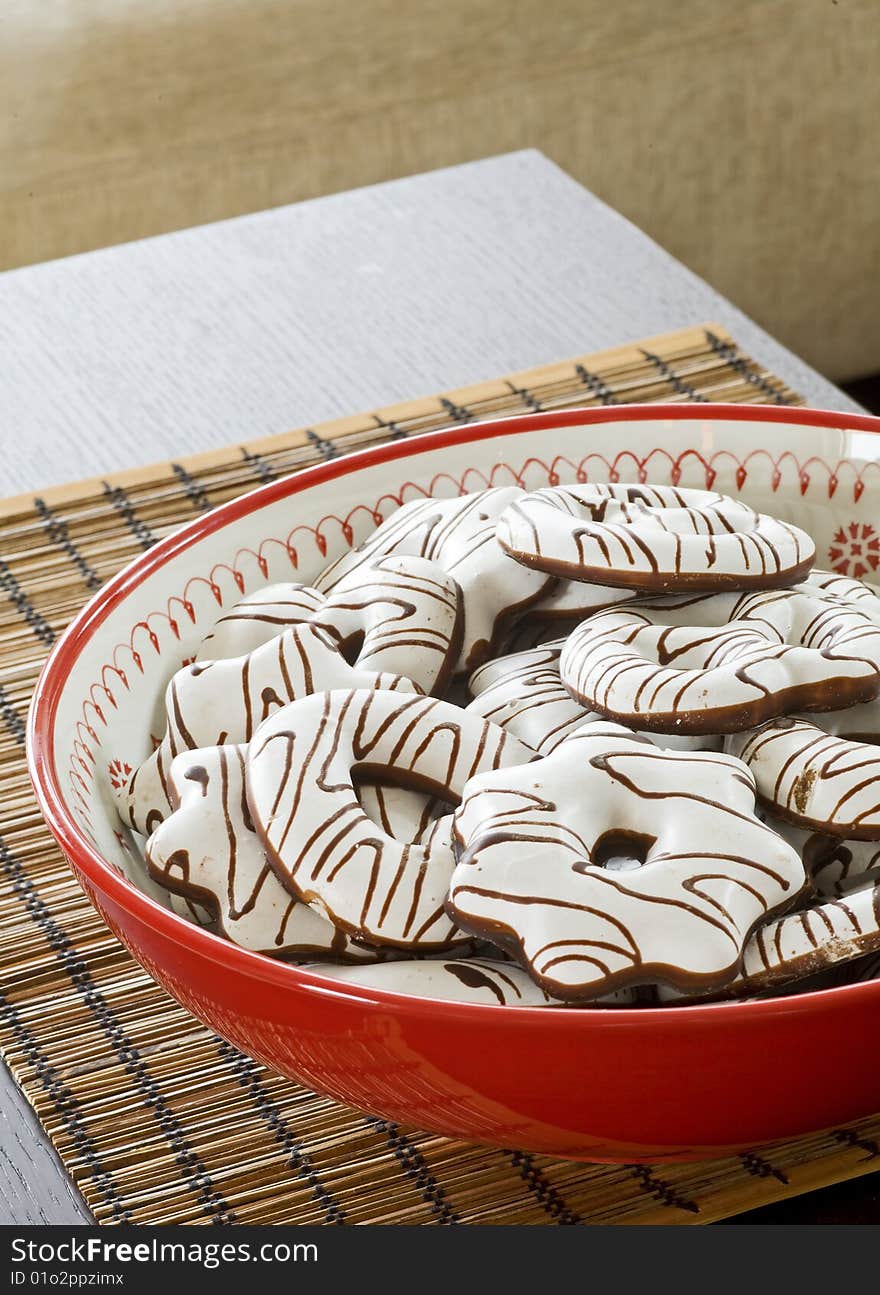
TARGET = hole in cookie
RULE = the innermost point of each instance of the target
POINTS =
(622, 851)
(352, 647)
(408, 816)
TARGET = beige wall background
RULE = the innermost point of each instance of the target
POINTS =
(743, 137)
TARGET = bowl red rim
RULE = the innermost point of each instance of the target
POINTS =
(81, 853)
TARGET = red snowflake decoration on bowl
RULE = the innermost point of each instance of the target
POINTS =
(855, 550)
(119, 772)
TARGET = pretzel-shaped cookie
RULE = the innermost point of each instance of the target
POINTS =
(459, 536)
(655, 538)
(405, 613)
(821, 773)
(725, 662)
(611, 863)
(321, 843)
(207, 850)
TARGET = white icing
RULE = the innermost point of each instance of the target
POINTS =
(652, 537)
(323, 844)
(722, 662)
(528, 837)
(206, 850)
(459, 536)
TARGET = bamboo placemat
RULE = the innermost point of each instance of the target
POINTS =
(159, 1121)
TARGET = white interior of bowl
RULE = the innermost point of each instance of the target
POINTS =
(825, 480)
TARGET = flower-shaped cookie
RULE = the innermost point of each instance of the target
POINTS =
(611, 863)
(724, 662)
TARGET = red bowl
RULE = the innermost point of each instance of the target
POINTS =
(593, 1084)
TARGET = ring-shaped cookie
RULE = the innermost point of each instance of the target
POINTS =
(524, 693)
(821, 772)
(404, 613)
(653, 538)
(611, 863)
(724, 662)
(320, 841)
(458, 534)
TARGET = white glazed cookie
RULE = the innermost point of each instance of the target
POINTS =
(206, 851)
(857, 591)
(404, 613)
(324, 847)
(824, 934)
(257, 618)
(471, 980)
(217, 702)
(459, 535)
(611, 863)
(524, 693)
(723, 662)
(810, 772)
(833, 864)
(656, 538)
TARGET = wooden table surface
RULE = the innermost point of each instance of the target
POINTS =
(236, 330)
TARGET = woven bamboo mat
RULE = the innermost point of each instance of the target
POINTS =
(157, 1120)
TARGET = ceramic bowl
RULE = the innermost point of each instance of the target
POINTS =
(595, 1084)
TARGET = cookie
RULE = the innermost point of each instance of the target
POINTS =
(611, 863)
(524, 693)
(217, 702)
(206, 851)
(834, 865)
(405, 613)
(826, 933)
(459, 536)
(809, 776)
(653, 538)
(471, 980)
(257, 618)
(724, 662)
(324, 847)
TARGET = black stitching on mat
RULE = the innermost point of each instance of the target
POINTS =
(849, 1138)
(259, 465)
(326, 449)
(397, 433)
(595, 384)
(25, 607)
(552, 1201)
(414, 1165)
(121, 502)
(56, 529)
(12, 719)
(758, 1167)
(247, 1074)
(458, 412)
(661, 1191)
(194, 492)
(192, 1171)
(66, 1106)
(526, 397)
(737, 362)
(678, 384)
